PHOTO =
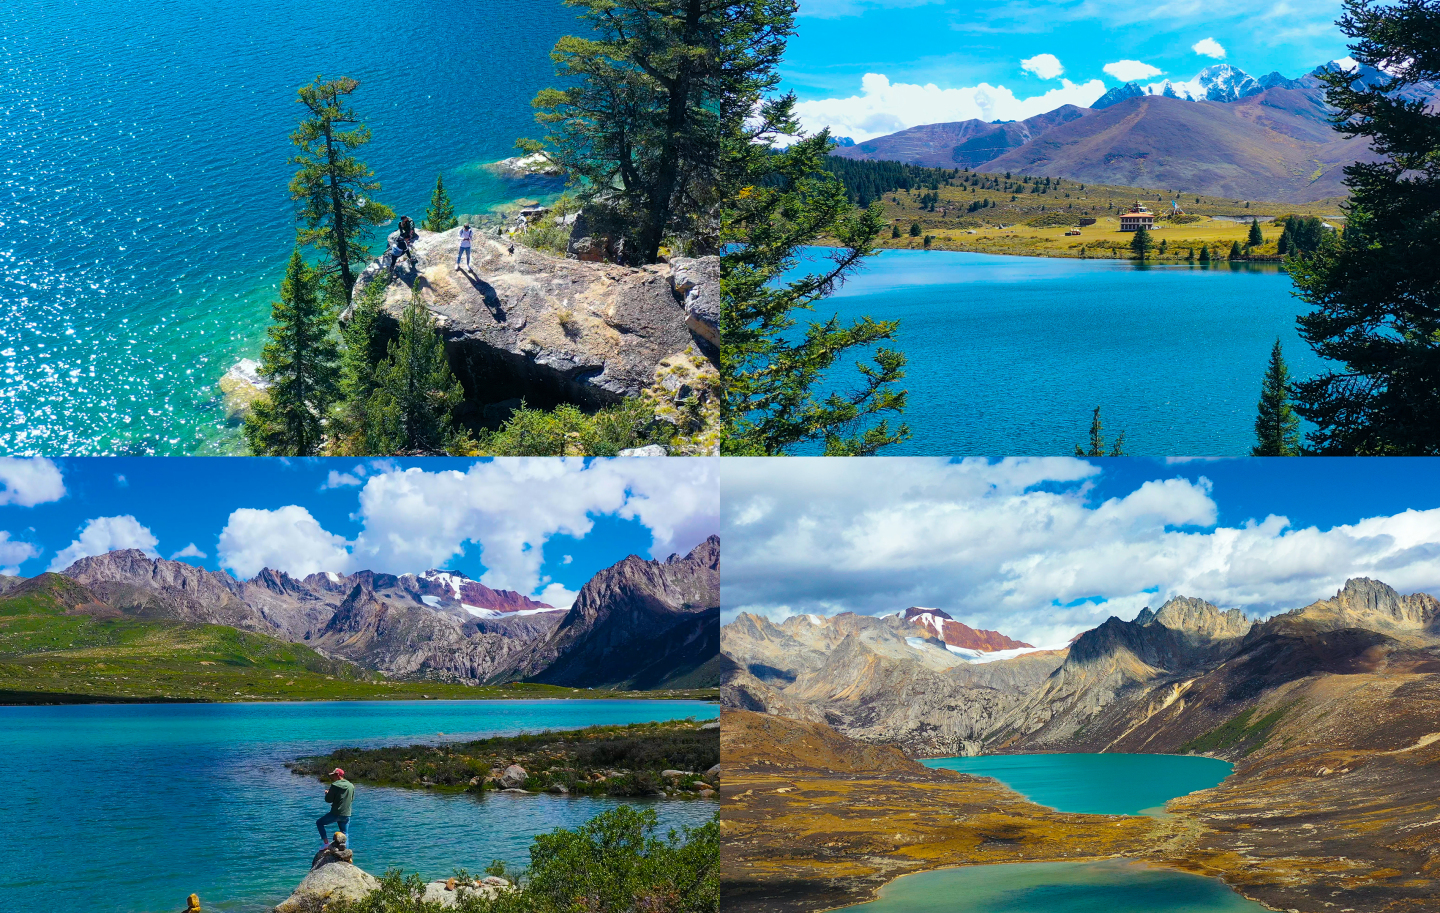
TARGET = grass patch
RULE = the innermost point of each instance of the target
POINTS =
(1239, 730)
(598, 761)
(56, 659)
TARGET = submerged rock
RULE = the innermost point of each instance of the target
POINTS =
(335, 881)
(519, 323)
(241, 386)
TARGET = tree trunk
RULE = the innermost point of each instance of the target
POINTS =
(337, 205)
(677, 116)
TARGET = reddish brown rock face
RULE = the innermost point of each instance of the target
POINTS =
(956, 634)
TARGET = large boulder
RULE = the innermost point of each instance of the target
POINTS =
(447, 893)
(513, 777)
(336, 881)
(521, 323)
(697, 282)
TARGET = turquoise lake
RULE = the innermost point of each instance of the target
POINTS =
(128, 809)
(1096, 784)
(1011, 354)
(144, 216)
(1111, 886)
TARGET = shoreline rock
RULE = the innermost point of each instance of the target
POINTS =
(523, 166)
(241, 386)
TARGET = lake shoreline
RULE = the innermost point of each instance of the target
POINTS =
(13, 698)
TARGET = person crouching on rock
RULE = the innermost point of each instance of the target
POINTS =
(399, 248)
(407, 230)
(465, 235)
(335, 851)
(341, 796)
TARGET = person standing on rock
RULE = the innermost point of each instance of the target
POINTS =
(341, 796)
(407, 230)
(465, 235)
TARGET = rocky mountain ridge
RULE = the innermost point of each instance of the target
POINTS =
(1224, 133)
(438, 624)
(1113, 688)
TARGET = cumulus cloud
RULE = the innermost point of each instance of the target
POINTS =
(1046, 66)
(1131, 70)
(105, 534)
(414, 519)
(1209, 47)
(27, 481)
(189, 551)
(557, 595)
(1024, 547)
(884, 107)
(288, 539)
(12, 553)
(343, 479)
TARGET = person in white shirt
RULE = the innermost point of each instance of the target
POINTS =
(465, 235)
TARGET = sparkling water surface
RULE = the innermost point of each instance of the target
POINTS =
(144, 215)
(128, 809)
(1010, 355)
(1096, 784)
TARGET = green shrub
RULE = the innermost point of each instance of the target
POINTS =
(567, 431)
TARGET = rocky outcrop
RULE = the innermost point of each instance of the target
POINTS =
(638, 623)
(697, 283)
(136, 584)
(338, 881)
(241, 387)
(519, 323)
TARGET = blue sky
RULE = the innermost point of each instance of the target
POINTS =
(542, 527)
(958, 47)
(1042, 549)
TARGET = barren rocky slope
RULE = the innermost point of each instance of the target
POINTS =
(1330, 712)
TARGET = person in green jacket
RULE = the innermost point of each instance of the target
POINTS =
(341, 796)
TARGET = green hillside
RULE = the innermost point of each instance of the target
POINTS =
(58, 645)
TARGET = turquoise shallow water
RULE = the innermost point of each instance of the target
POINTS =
(1011, 354)
(144, 217)
(128, 809)
(1058, 887)
(1096, 784)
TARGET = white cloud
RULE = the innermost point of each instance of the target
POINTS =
(1022, 546)
(121, 481)
(12, 553)
(556, 595)
(415, 519)
(884, 107)
(567, 559)
(27, 481)
(1209, 47)
(1046, 66)
(288, 539)
(105, 534)
(1131, 70)
(343, 479)
(189, 551)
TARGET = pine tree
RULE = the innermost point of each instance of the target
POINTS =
(1256, 237)
(441, 215)
(1141, 243)
(299, 364)
(415, 391)
(331, 185)
(894, 232)
(1205, 254)
(361, 353)
(770, 363)
(1376, 290)
(914, 229)
(1235, 252)
(1097, 440)
(1277, 428)
(650, 102)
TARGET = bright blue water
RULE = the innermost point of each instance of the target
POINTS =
(1011, 354)
(128, 809)
(1096, 784)
(1058, 887)
(144, 217)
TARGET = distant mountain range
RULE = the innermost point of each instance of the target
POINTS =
(1224, 133)
(638, 624)
(873, 679)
